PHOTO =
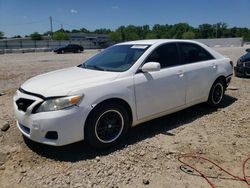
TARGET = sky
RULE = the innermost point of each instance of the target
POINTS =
(23, 17)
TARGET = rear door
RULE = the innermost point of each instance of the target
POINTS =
(163, 90)
(200, 67)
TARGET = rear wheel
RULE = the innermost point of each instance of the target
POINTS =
(216, 93)
(107, 125)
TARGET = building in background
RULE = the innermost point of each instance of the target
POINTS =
(97, 39)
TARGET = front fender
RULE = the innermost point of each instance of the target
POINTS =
(120, 89)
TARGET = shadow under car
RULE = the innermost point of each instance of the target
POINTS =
(82, 151)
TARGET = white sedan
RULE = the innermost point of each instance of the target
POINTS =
(122, 86)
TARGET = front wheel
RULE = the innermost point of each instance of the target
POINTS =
(216, 93)
(106, 125)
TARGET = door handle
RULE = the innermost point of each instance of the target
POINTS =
(214, 65)
(180, 73)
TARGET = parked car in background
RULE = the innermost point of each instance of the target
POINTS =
(73, 48)
(242, 67)
(122, 86)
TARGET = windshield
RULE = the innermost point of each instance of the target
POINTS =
(117, 58)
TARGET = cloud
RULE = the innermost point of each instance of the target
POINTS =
(115, 7)
(73, 11)
(25, 17)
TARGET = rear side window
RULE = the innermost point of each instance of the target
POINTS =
(166, 55)
(192, 53)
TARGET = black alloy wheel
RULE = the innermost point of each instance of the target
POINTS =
(106, 125)
(216, 93)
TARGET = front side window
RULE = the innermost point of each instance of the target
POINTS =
(166, 55)
(192, 53)
(116, 58)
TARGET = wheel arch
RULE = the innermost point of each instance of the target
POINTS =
(220, 77)
(119, 101)
(223, 78)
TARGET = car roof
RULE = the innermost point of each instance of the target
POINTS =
(154, 41)
(157, 42)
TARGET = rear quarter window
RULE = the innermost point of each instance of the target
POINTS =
(191, 53)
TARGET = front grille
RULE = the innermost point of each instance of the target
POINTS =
(24, 128)
(23, 104)
(247, 71)
(247, 64)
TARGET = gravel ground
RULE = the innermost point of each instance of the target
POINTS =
(147, 158)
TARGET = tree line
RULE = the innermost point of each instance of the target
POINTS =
(178, 31)
(158, 31)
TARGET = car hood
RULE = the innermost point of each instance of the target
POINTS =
(245, 57)
(64, 81)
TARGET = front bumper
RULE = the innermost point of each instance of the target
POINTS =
(68, 124)
(241, 71)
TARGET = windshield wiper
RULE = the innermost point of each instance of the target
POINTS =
(95, 67)
(81, 66)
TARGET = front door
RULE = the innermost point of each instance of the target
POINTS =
(163, 90)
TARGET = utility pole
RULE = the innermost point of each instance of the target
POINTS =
(51, 28)
(216, 30)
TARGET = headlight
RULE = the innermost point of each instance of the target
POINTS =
(59, 103)
(239, 63)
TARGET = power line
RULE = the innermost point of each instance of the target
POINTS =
(62, 22)
(42, 21)
(26, 23)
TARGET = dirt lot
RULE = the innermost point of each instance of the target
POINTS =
(147, 158)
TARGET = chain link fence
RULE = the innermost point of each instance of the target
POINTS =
(27, 45)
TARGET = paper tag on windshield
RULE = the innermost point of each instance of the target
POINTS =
(139, 46)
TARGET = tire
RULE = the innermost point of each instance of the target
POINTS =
(62, 52)
(216, 93)
(107, 125)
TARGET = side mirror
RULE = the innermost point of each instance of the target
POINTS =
(151, 67)
(248, 50)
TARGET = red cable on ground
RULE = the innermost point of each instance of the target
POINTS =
(245, 178)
